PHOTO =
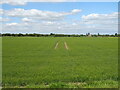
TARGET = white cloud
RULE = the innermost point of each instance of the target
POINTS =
(39, 14)
(101, 22)
(37, 21)
(4, 19)
(13, 2)
(101, 19)
(76, 10)
(100, 16)
(23, 2)
(1, 11)
(12, 24)
(26, 20)
(59, 27)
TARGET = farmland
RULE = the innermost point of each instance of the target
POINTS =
(60, 62)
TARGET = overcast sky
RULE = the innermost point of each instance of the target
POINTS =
(59, 17)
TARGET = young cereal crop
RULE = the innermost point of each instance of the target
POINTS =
(35, 62)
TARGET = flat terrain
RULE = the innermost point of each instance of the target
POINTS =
(60, 62)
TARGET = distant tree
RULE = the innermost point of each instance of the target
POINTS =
(0, 35)
(116, 34)
(59, 35)
(51, 34)
(98, 34)
(20, 34)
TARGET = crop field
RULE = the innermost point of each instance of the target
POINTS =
(60, 62)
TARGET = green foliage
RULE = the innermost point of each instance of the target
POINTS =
(33, 62)
(58, 35)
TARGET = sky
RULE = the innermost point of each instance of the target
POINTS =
(59, 17)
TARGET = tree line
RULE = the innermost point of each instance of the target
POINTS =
(59, 35)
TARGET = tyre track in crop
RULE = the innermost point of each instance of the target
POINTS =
(66, 46)
(56, 46)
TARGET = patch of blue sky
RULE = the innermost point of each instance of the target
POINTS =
(87, 7)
